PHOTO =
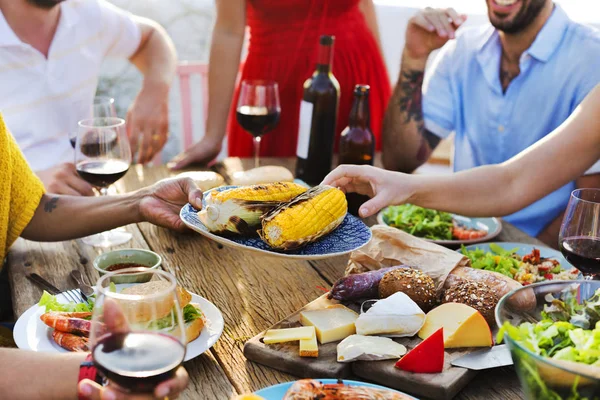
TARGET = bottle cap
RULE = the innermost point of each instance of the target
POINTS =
(327, 40)
(362, 89)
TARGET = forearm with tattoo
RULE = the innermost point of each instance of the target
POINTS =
(407, 144)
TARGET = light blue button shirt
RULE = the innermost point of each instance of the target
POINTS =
(463, 93)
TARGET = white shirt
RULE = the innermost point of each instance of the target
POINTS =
(43, 99)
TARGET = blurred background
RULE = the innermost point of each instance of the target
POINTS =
(189, 22)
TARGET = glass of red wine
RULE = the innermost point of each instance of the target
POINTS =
(102, 107)
(102, 157)
(258, 110)
(579, 237)
(137, 336)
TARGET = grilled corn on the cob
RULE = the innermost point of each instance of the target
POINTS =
(305, 219)
(239, 210)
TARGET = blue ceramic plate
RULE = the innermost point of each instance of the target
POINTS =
(524, 249)
(349, 236)
(276, 392)
(492, 226)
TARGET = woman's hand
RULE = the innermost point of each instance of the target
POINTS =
(160, 203)
(384, 187)
(203, 152)
(115, 322)
(170, 389)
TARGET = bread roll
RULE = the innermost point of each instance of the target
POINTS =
(412, 282)
(262, 175)
(500, 284)
(474, 294)
(205, 180)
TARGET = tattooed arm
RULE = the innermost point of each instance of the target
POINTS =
(67, 217)
(406, 142)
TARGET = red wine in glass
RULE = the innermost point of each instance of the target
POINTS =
(138, 361)
(102, 173)
(579, 237)
(583, 253)
(258, 110)
(257, 120)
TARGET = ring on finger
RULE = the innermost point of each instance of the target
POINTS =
(156, 137)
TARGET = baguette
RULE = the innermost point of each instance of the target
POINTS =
(500, 284)
(261, 176)
(205, 180)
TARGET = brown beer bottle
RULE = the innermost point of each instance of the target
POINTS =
(357, 143)
(318, 116)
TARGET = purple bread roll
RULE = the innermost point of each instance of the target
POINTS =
(360, 286)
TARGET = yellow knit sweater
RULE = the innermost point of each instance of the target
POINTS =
(20, 191)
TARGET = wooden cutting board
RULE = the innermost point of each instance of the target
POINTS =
(284, 357)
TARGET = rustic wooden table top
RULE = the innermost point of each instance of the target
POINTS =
(252, 291)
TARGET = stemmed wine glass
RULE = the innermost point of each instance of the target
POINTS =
(137, 337)
(102, 107)
(258, 110)
(579, 237)
(102, 157)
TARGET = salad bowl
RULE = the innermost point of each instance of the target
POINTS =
(555, 342)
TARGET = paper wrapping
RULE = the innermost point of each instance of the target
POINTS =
(391, 246)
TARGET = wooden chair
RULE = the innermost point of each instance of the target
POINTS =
(184, 71)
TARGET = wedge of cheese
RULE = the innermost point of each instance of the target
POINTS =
(332, 323)
(368, 348)
(309, 347)
(273, 336)
(394, 316)
(463, 326)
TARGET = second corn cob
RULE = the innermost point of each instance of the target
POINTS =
(305, 219)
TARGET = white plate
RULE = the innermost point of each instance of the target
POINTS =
(493, 227)
(30, 333)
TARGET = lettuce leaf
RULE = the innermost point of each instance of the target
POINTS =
(191, 313)
(51, 303)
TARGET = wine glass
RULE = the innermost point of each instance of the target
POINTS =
(258, 110)
(102, 157)
(579, 237)
(137, 335)
(102, 107)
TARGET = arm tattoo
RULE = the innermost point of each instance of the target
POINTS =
(410, 100)
(50, 205)
(411, 103)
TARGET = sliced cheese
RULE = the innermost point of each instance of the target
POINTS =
(463, 326)
(309, 347)
(332, 323)
(397, 315)
(288, 335)
(368, 348)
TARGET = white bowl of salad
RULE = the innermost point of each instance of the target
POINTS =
(555, 344)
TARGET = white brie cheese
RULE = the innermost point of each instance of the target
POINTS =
(395, 316)
(368, 348)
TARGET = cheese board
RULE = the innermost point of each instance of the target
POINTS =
(285, 357)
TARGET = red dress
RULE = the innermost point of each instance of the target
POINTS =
(283, 46)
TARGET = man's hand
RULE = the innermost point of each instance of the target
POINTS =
(160, 204)
(202, 152)
(63, 179)
(430, 29)
(148, 122)
(384, 187)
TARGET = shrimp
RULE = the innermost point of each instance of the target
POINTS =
(70, 342)
(309, 389)
(462, 233)
(68, 322)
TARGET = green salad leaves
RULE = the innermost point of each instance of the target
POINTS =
(52, 304)
(419, 221)
(498, 260)
(568, 330)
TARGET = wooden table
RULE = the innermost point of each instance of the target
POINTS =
(252, 291)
